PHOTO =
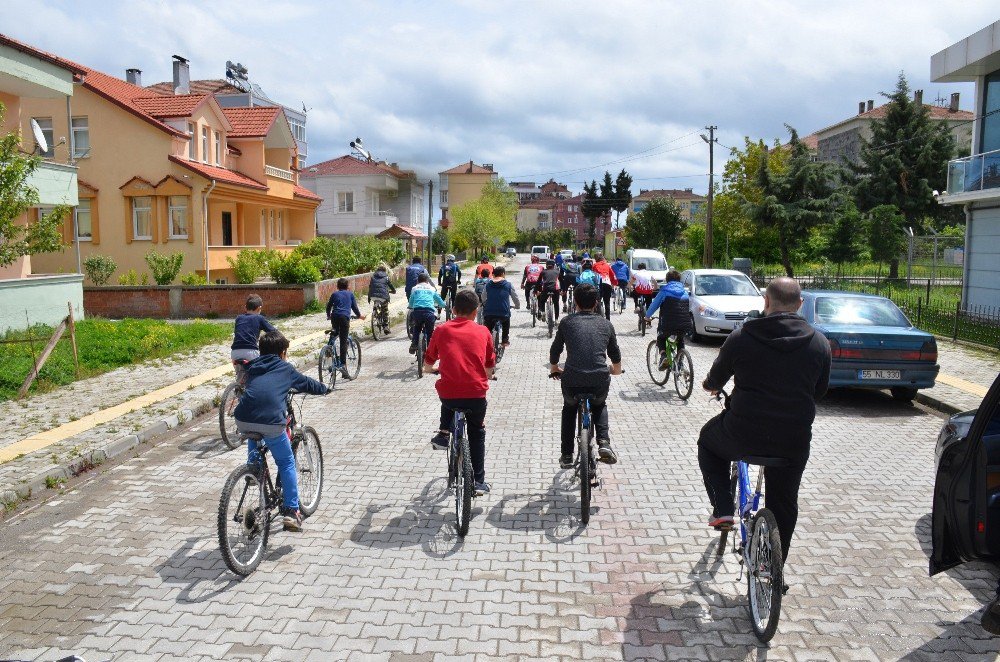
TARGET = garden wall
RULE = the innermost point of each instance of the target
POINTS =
(39, 300)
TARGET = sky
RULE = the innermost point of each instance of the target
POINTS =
(541, 89)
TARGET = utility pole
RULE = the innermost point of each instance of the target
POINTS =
(708, 259)
(430, 218)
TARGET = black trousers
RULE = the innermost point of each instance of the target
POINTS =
(449, 287)
(661, 339)
(545, 295)
(342, 327)
(422, 321)
(475, 427)
(598, 410)
(607, 290)
(717, 448)
(489, 321)
(646, 299)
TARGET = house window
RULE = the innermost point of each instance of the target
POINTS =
(990, 136)
(192, 145)
(345, 202)
(281, 225)
(444, 197)
(177, 212)
(274, 234)
(84, 225)
(302, 163)
(142, 217)
(81, 137)
(204, 144)
(45, 123)
(218, 149)
(298, 130)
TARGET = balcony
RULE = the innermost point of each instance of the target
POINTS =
(272, 171)
(55, 183)
(969, 177)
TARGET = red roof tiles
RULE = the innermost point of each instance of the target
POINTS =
(469, 168)
(250, 122)
(41, 55)
(676, 194)
(396, 229)
(306, 193)
(349, 165)
(205, 86)
(219, 174)
(162, 107)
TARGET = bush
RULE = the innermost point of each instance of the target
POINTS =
(357, 255)
(164, 267)
(132, 277)
(193, 278)
(99, 269)
(251, 264)
(293, 269)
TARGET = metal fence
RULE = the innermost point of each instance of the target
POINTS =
(934, 257)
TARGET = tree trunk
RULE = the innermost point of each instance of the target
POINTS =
(786, 261)
(894, 268)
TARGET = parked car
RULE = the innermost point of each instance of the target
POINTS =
(874, 345)
(654, 260)
(511, 251)
(541, 251)
(567, 253)
(721, 299)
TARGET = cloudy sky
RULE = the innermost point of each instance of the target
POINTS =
(540, 89)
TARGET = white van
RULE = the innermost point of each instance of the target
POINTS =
(541, 251)
(655, 262)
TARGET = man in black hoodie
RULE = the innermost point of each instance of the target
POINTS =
(781, 367)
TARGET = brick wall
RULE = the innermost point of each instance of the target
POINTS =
(119, 302)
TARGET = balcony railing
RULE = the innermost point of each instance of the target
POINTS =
(974, 173)
(271, 171)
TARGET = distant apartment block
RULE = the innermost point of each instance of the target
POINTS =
(690, 203)
(461, 184)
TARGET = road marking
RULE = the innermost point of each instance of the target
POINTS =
(962, 385)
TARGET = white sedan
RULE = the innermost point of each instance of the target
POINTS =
(720, 300)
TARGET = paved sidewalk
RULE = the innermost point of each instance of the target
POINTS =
(967, 372)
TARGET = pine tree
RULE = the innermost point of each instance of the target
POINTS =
(591, 209)
(607, 199)
(623, 195)
(843, 235)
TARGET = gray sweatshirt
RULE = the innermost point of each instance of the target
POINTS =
(589, 340)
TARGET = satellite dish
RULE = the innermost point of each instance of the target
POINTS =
(40, 141)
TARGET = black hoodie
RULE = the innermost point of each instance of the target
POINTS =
(780, 366)
(269, 379)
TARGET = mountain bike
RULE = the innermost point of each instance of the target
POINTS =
(550, 311)
(448, 301)
(460, 476)
(620, 299)
(678, 362)
(570, 303)
(421, 350)
(585, 462)
(227, 405)
(533, 306)
(380, 318)
(251, 501)
(498, 340)
(329, 365)
(759, 545)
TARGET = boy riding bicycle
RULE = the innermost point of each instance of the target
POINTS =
(247, 330)
(529, 280)
(643, 286)
(338, 310)
(380, 286)
(675, 318)
(623, 273)
(497, 295)
(548, 288)
(449, 276)
(424, 303)
(262, 411)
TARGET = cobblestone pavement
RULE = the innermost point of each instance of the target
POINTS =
(127, 566)
(971, 363)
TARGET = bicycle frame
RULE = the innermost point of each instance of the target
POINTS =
(748, 503)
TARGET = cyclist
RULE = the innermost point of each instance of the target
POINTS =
(780, 367)
(548, 287)
(412, 273)
(262, 410)
(675, 318)
(559, 259)
(379, 287)
(643, 286)
(424, 303)
(449, 276)
(247, 329)
(589, 342)
(338, 310)
(465, 350)
(568, 274)
(532, 273)
(484, 269)
(588, 276)
(623, 273)
(608, 282)
(497, 295)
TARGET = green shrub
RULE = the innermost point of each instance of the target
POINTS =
(192, 278)
(132, 277)
(357, 255)
(99, 269)
(164, 267)
(250, 264)
(293, 269)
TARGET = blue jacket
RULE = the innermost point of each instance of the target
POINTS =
(497, 295)
(424, 296)
(559, 259)
(622, 272)
(269, 379)
(247, 330)
(413, 273)
(450, 273)
(676, 314)
(589, 276)
(341, 304)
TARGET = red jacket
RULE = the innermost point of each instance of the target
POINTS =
(465, 350)
(603, 269)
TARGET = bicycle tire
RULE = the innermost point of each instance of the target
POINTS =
(325, 365)
(353, 358)
(734, 477)
(683, 371)
(309, 467)
(550, 318)
(463, 488)
(421, 348)
(658, 376)
(764, 554)
(497, 342)
(585, 477)
(534, 310)
(377, 327)
(255, 528)
(447, 307)
(227, 422)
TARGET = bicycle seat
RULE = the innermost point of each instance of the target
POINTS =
(584, 396)
(256, 436)
(764, 461)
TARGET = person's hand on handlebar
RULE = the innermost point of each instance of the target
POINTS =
(555, 372)
(712, 391)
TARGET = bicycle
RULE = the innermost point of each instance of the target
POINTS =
(619, 302)
(498, 341)
(759, 547)
(448, 301)
(227, 405)
(678, 362)
(421, 350)
(380, 319)
(550, 311)
(460, 476)
(329, 358)
(249, 498)
(570, 303)
(585, 462)
(640, 309)
(533, 306)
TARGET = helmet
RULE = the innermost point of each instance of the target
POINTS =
(534, 259)
(450, 258)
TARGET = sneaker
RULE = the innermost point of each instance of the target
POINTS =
(721, 522)
(605, 453)
(413, 349)
(566, 461)
(346, 375)
(664, 362)
(291, 520)
(481, 488)
(439, 442)
(784, 590)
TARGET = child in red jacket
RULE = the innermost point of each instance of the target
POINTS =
(465, 351)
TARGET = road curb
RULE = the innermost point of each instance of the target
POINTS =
(937, 404)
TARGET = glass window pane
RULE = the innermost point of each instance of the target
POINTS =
(142, 217)
(84, 229)
(991, 123)
(178, 215)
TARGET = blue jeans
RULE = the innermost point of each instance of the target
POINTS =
(281, 451)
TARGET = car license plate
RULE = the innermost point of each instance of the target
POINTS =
(878, 374)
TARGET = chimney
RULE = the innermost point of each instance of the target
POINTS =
(918, 97)
(861, 107)
(134, 76)
(182, 75)
(488, 166)
(871, 104)
(953, 106)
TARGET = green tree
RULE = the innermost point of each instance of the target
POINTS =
(591, 209)
(844, 236)
(440, 241)
(885, 235)
(657, 225)
(623, 195)
(489, 221)
(607, 200)
(17, 196)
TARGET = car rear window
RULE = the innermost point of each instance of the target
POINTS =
(859, 311)
(722, 284)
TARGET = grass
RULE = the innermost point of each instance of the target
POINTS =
(103, 346)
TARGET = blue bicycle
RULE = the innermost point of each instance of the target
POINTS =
(759, 545)
(460, 471)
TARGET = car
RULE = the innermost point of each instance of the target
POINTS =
(720, 300)
(541, 251)
(965, 515)
(654, 260)
(873, 343)
(566, 253)
(511, 251)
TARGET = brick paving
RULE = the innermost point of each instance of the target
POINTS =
(127, 565)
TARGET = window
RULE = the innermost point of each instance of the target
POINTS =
(302, 163)
(142, 217)
(177, 212)
(298, 130)
(345, 202)
(860, 311)
(274, 234)
(218, 149)
(192, 145)
(281, 225)
(991, 104)
(204, 144)
(81, 138)
(444, 197)
(45, 123)
(84, 225)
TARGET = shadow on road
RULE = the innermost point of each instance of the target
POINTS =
(203, 574)
(649, 392)
(864, 403)
(555, 512)
(205, 447)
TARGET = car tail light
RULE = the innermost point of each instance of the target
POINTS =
(838, 352)
(980, 527)
(928, 351)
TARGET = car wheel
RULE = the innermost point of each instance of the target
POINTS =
(903, 393)
(693, 333)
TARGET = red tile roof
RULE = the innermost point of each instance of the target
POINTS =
(250, 122)
(306, 193)
(162, 107)
(811, 141)
(467, 169)
(205, 86)
(41, 55)
(879, 112)
(219, 174)
(124, 94)
(348, 165)
(397, 229)
(676, 194)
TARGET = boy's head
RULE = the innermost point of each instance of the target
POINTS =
(273, 342)
(642, 265)
(415, 260)
(423, 278)
(550, 264)
(484, 260)
(342, 284)
(254, 302)
(380, 268)
(586, 296)
(588, 264)
(498, 272)
(673, 275)
(466, 304)
(599, 257)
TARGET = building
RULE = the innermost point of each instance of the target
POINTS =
(553, 189)
(236, 91)
(537, 214)
(841, 142)
(365, 197)
(569, 215)
(687, 200)
(461, 184)
(176, 173)
(974, 181)
(525, 191)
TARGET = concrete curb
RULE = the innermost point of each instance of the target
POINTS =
(937, 404)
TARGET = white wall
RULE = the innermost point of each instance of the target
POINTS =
(983, 259)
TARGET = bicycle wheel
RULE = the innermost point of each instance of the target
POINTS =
(620, 301)
(658, 376)
(421, 348)
(326, 366)
(243, 520)
(583, 440)
(409, 328)
(463, 487)
(497, 344)
(764, 574)
(550, 316)
(353, 358)
(734, 478)
(227, 420)
(377, 327)
(447, 307)
(309, 465)
(683, 374)
(534, 310)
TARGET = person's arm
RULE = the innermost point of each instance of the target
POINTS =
(823, 382)
(441, 276)
(516, 299)
(354, 307)
(439, 301)
(267, 326)
(491, 355)
(458, 274)
(657, 300)
(722, 369)
(614, 353)
(392, 288)
(329, 306)
(524, 277)
(306, 384)
(613, 277)
(556, 350)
